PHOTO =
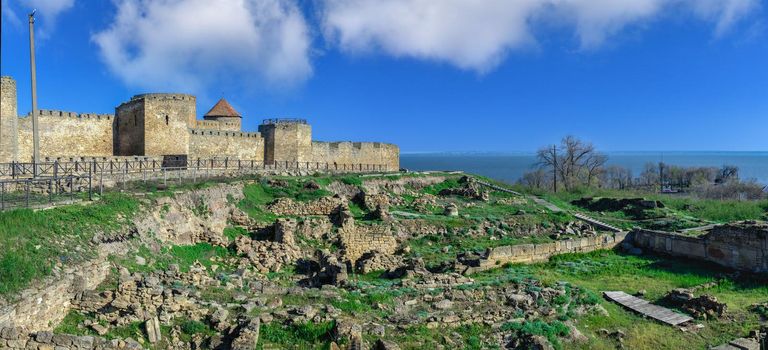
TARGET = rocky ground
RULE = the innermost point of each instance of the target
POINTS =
(349, 262)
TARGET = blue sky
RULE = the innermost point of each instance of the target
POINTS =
(449, 75)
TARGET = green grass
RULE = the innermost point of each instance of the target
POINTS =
(679, 206)
(233, 232)
(182, 255)
(33, 241)
(452, 182)
(298, 336)
(551, 330)
(472, 337)
(430, 248)
(607, 270)
(258, 195)
(71, 324)
(192, 327)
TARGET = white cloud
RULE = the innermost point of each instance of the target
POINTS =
(477, 34)
(48, 12)
(188, 44)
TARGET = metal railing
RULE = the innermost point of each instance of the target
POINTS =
(44, 191)
(110, 167)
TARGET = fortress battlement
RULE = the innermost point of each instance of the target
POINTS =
(207, 132)
(72, 115)
(156, 125)
(164, 96)
(350, 144)
(276, 121)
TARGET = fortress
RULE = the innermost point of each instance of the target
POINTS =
(158, 125)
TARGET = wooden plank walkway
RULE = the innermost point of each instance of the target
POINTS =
(597, 223)
(645, 308)
(548, 205)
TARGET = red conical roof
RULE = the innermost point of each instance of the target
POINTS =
(222, 109)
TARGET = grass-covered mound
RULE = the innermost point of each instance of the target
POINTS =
(34, 241)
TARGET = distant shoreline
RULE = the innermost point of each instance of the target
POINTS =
(510, 166)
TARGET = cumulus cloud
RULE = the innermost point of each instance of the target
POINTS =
(477, 34)
(187, 44)
(48, 12)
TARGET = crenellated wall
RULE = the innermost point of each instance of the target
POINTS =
(357, 153)
(220, 144)
(161, 124)
(64, 134)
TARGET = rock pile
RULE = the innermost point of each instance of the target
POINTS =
(267, 256)
(702, 307)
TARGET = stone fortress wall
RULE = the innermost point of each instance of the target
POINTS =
(162, 124)
(8, 120)
(66, 133)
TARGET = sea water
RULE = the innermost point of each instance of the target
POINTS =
(510, 167)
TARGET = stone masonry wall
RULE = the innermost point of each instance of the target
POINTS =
(129, 128)
(357, 153)
(357, 240)
(529, 253)
(43, 308)
(8, 120)
(167, 121)
(287, 142)
(220, 144)
(736, 246)
(322, 206)
(219, 123)
(64, 134)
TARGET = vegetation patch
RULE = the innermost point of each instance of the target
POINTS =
(34, 241)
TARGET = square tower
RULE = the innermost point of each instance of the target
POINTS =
(155, 125)
(286, 140)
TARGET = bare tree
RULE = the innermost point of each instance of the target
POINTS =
(538, 179)
(617, 177)
(726, 173)
(573, 163)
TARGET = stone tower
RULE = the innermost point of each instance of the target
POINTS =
(155, 125)
(286, 140)
(9, 121)
(228, 117)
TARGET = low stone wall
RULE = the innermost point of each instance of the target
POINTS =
(42, 308)
(739, 246)
(322, 206)
(17, 338)
(357, 240)
(529, 253)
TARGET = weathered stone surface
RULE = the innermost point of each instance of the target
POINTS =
(192, 217)
(322, 206)
(742, 246)
(152, 327)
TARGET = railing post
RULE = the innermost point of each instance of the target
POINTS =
(27, 188)
(50, 191)
(90, 186)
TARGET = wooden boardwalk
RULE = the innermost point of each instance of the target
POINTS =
(645, 308)
(596, 222)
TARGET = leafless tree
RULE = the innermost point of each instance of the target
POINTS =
(617, 177)
(573, 163)
(538, 179)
